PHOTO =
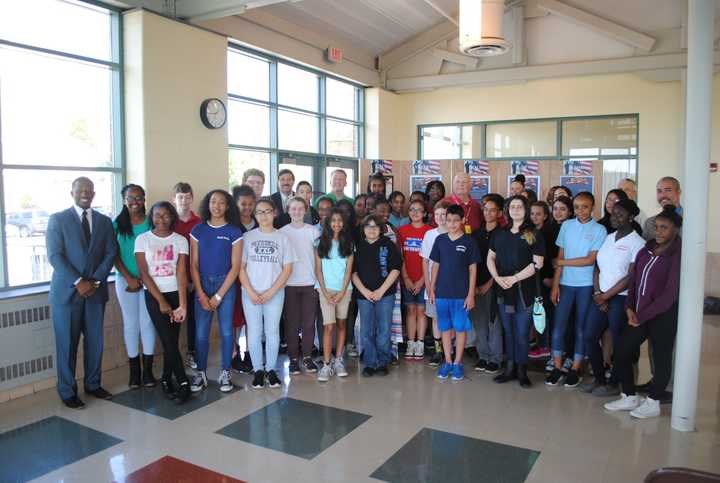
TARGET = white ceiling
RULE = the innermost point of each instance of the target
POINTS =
(373, 25)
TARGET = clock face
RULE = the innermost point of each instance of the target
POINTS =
(213, 113)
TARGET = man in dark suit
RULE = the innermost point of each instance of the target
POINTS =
(285, 181)
(81, 248)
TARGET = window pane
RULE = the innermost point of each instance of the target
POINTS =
(297, 132)
(600, 136)
(615, 170)
(341, 138)
(441, 142)
(297, 88)
(248, 76)
(242, 160)
(248, 124)
(67, 26)
(349, 189)
(471, 142)
(301, 173)
(29, 198)
(340, 99)
(54, 111)
(521, 139)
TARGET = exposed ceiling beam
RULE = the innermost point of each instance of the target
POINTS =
(429, 38)
(455, 57)
(599, 24)
(442, 12)
(518, 22)
(239, 8)
(535, 72)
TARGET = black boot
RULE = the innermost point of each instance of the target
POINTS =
(147, 376)
(134, 372)
(183, 393)
(509, 374)
(523, 377)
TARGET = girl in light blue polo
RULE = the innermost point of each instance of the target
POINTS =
(578, 242)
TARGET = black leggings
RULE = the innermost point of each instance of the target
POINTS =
(661, 331)
(169, 333)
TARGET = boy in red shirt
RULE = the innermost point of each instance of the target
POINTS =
(410, 239)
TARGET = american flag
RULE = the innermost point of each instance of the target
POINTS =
(381, 166)
(477, 167)
(530, 168)
(579, 167)
(425, 166)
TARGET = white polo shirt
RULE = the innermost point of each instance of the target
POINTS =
(614, 258)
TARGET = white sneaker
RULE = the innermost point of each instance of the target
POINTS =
(410, 351)
(225, 381)
(419, 350)
(625, 403)
(325, 372)
(650, 408)
(339, 368)
(199, 382)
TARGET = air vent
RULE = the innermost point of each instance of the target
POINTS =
(487, 48)
(481, 23)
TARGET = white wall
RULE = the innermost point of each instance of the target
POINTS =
(170, 68)
(658, 104)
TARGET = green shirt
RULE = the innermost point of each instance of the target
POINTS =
(331, 196)
(126, 246)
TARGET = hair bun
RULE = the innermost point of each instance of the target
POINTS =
(520, 178)
(629, 205)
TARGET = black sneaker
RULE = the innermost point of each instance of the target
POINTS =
(183, 393)
(555, 377)
(259, 380)
(294, 367)
(481, 365)
(436, 359)
(381, 371)
(492, 368)
(273, 380)
(644, 388)
(368, 372)
(572, 379)
(167, 389)
(309, 365)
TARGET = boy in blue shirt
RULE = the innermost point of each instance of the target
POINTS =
(452, 288)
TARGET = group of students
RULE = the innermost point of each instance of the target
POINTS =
(280, 265)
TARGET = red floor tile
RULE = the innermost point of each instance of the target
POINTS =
(172, 470)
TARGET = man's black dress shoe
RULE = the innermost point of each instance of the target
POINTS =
(99, 393)
(74, 403)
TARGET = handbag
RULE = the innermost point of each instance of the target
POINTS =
(538, 310)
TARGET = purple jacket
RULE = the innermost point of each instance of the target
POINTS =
(655, 282)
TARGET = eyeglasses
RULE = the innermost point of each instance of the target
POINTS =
(130, 199)
(416, 210)
(372, 226)
(263, 212)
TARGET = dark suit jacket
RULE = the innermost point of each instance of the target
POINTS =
(72, 257)
(282, 218)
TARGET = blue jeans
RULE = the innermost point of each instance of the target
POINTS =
(597, 321)
(581, 298)
(375, 320)
(516, 327)
(264, 319)
(203, 319)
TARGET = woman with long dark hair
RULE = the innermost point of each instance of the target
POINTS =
(434, 192)
(137, 325)
(333, 269)
(215, 251)
(612, 197)
(516, 253)
(161, 256)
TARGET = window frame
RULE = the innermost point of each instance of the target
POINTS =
(118, 169)
(321, 157)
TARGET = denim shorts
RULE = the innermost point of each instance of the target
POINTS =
(451, 314)
(410, 299)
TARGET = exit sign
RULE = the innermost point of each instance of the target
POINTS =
(334, 55)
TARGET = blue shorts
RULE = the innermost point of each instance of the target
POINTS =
(410, 299)
(451, 314)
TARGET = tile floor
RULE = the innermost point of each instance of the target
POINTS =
(408, 426)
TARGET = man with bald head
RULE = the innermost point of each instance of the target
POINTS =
(667, 192)
(81, 248)
(461, 196)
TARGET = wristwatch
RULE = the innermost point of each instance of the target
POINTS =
(597, 292)
(217, 297)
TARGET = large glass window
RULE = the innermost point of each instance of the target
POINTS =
(59, 119)
(527, 139)
(601, 136)
(277, 109)
(441, 142)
